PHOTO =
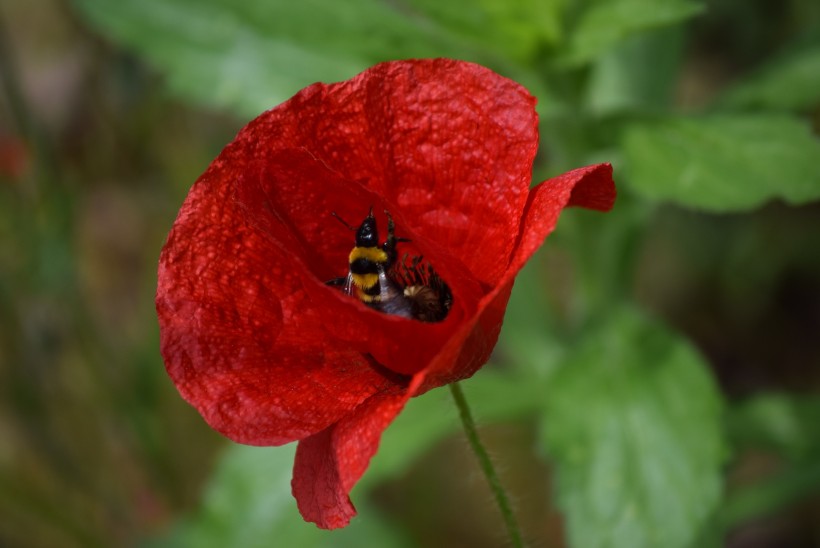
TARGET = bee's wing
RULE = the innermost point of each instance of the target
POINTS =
(386, 289)
(346, 283)
(348, 287)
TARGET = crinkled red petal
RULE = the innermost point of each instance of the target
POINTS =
(280, 195)
(590, 186)
(329, 464)
(457, 181)
(241, 277)
(448, 147)
(239, 331)
(470, 347)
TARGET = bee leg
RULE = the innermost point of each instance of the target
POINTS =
(390, 244)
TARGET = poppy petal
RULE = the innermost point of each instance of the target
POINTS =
(590, 186)
(595, 188)
(284, 191)
(470, 347)
(329, 464)
(237, 328)
(448, 144)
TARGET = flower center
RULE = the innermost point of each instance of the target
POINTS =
(428, 296)
(410, 288)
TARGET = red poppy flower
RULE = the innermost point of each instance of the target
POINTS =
(269, 353)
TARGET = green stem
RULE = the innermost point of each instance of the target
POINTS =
(486, 465)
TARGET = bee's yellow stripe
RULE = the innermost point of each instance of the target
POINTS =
(365, 281)
(370, 253)
(365, 298)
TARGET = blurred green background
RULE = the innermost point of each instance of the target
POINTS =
(657, 379)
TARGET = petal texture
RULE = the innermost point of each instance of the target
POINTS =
(329, 464)
(239, 333)
(470, 347)
(443, 144)
(590, 186)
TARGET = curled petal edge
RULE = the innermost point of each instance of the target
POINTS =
(329, 464)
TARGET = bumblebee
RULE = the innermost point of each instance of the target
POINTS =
(409, 288)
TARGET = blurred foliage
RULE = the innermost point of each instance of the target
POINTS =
(249, 504)
(788, 82)
(709, 111)
(627, 431)
(698, 161)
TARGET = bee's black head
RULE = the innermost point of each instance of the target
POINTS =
(367, 235)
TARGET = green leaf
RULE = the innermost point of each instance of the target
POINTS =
(791, 81)
(248, 503)
(632, 424)
(605, 23)
(638, 75)
(252, 55)
(514, 28)
(724, 163)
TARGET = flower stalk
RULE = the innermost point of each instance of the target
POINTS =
(486, 465)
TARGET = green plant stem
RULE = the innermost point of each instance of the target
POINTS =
(486, 465)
